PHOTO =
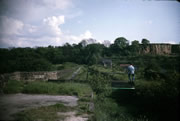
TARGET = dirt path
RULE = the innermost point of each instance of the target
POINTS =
(75, 73)
(13, 103)
(71, 116)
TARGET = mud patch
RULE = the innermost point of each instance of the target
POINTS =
(13, 103)
(71, 116)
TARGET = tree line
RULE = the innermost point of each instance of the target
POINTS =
(42, 58)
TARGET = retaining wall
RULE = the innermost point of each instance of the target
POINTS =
(31, 76)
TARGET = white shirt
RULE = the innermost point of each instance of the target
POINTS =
(131, 69)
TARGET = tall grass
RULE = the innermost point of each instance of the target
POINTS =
(13, 86)
(45, 113)
(67, 88)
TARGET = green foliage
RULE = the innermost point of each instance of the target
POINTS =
(47, 88)
(171, 85)
(100, 84)
(145, 41)
(45, 113)
(120, 46)
(13, 86)
(135, 47)
(152, 70)
(121, 42)
(149, 89)
(93, 53)
(23, 59)
(109, 110)
(57, 88)
(42, 58)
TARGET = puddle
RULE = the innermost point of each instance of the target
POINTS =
(13, 103)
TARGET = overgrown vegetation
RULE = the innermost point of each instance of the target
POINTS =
(67, 88)
(155, 97)
(12, 86)
(44, 58)
(45, 113)
(53, 112)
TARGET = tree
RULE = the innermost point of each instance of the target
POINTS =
(120, 46)
(93, 53)
(135, 46)
(145, 41)
(121, 42)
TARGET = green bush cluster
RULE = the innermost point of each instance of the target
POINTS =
(100, 84)
(109, 110)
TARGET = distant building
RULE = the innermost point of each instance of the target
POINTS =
(107, 63)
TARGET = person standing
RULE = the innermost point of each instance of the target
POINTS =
(131, 72)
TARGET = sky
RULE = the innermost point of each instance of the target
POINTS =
(32, 23)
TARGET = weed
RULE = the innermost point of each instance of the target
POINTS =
(45, 113)
(67, 88)
(13, 86)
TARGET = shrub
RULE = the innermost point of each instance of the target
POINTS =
(13, 86)
(100, 84)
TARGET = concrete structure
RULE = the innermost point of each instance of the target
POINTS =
(31, 76)
(107, 63)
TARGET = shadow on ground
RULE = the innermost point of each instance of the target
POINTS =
(155, 109)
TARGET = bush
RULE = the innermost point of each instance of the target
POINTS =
(13, 86)
(149, 89)
(109, 110)
(100, 84)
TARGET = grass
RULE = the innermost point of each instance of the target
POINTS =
(148, 102)
(49, 113)
(66, 65)
(40, 87)
(82, 74)
(45, 113)
(117, 73)
(110, 110)
(52, 113)
(152, 100)
(13, 86)
(101, 68)
(67, 88)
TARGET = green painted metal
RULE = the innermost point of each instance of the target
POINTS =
(123, 88)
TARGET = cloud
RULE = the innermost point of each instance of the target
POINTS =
(34, 10)
(106, 43)
(76, 39)
(10, 26)
(37, 23)
(57, 4)
(51, 25)
(47, 33)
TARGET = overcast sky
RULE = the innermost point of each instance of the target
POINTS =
(30, 23)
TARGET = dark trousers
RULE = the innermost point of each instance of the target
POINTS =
(131, 77)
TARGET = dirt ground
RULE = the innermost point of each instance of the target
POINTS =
(13, 103)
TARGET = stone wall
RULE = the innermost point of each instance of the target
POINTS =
(31, 76)
(160, 49)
